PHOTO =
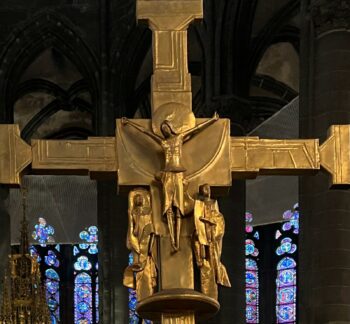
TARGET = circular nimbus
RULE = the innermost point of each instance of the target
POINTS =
(178, 116)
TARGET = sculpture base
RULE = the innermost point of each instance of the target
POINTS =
(174, 306)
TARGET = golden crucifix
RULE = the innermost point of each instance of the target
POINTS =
(170, 165)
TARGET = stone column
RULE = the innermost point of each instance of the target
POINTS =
(113, 256)
(5, 233)
(324, 276)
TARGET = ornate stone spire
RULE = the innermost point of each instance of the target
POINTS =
(24, 299)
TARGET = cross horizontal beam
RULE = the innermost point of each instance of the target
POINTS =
(248, 156)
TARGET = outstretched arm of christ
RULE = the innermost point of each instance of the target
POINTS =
(126, 121)
(195, 130)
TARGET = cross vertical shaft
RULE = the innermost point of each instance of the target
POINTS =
(169, 20)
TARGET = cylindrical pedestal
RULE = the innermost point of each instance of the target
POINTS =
(178, 306)
(189, 318)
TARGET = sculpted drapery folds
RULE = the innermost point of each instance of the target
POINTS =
(209, 232)
(141, 275)
(172, 175)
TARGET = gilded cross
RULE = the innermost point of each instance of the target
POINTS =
(136, 155)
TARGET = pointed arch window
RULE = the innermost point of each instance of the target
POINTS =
(252, 271)
(286, 278)
(64, 266)
(86, 301)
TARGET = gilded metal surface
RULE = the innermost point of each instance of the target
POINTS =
(187, 318)
(23, 298)
(335, 154)
(176, 303)
(251, 156)
(169, 20)
(141, 275)
(96, 154)
(205, 158)
(171, 175)
(15, 154)
(209, 232)
(161, 155)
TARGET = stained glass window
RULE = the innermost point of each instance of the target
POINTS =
(252, 274)
(133, 317)
(47, 255)
(83, 298)
(286, 280)
(52, 283)
(43, 233)
(86, 301)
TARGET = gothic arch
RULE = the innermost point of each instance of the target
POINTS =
(272, 32)
(125, 65)
(45, 30)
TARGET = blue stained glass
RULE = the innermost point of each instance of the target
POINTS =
(287, 226)
(90, 236)
(286, 313)
(93, 230)
(34, 253)
(84, 290)
(52, 304)
(83, 263)
(133, 317)
(53, 294)
(252, 314)
(286, 295)
(286, 247)
(250, 248)
(58, 248)
(53, 319)
(84, 235)
(286, 292)
(251, 295)
(286, 263)
(82, 299)
(83, 307)
(286, 277)
(43, 233)
(251, 279)
(52, 286)
(75, 251)
(250, 264)
(52, 274)
(84, 246)
(93, 249)
(251, 267)
(83, 278)
(51, 259)
(292, 218)
(97, 301)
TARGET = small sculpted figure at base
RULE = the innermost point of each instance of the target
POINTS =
(209, 232)
(141, 275)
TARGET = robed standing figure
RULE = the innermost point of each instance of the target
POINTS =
(209, 232)
(141, 275)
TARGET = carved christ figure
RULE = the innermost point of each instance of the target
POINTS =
(140, 241)
(209, 231)
(172, 175)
